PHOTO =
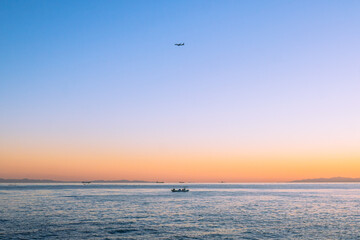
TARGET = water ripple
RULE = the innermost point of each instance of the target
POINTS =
(208, 211)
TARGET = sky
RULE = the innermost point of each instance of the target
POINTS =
(262, 91)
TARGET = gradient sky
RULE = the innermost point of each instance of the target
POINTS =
(261, 91)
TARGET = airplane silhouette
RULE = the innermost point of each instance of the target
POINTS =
(179, 44)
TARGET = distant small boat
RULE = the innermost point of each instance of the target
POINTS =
(180, 190)
(159, 182)
(85, 183)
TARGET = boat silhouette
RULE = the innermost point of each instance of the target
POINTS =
(180, 190)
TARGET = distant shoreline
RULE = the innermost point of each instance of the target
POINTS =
(26, 180)
(328, 180)
(313, 180)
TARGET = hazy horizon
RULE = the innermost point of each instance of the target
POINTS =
(139, 181)
(262, 91)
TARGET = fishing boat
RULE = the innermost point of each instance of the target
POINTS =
(180, 190)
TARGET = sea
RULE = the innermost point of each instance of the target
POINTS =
(207, 211)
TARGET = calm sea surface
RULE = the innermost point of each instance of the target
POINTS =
(208, 211)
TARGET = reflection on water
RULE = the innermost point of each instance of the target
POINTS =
(208, 211)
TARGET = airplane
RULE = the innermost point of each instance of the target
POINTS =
(179, 44)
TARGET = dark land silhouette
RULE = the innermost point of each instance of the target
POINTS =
(334, 179)
(26, 180)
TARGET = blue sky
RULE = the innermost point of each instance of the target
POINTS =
(259, 73)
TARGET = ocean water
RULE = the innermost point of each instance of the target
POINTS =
(208, 211)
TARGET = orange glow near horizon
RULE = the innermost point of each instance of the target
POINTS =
(173, 166)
